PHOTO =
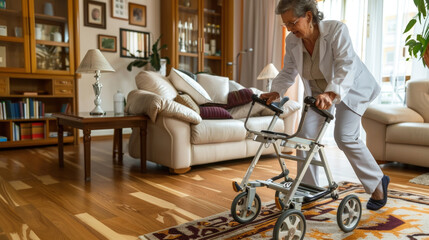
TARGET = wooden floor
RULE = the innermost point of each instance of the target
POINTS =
(39, 200)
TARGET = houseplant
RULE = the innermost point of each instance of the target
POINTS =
(418, 44)
(154, 58)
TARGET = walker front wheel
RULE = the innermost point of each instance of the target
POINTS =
(349, 213)
(239, 210)
(290, 225)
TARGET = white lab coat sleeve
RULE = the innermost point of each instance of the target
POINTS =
(287, 75)
(344, 64)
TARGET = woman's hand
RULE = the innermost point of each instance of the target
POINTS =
(270, 97)
(324, 100)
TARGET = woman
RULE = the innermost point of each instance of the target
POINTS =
(321, 53)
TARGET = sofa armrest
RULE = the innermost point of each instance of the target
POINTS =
(150, 104)
(387, 114)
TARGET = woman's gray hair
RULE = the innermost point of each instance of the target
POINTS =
(300, 7)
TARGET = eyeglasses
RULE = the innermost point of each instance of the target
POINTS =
(290, 24)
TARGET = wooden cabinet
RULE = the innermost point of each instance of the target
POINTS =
(38, 55)
(199, 35)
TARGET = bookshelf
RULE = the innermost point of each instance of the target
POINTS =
(26, 107)
(38, 52)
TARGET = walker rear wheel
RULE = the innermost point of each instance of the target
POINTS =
(349, 213)
(239, 210)
(290, 225)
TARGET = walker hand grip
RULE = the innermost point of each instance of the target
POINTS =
(312, 102)
(272, 106)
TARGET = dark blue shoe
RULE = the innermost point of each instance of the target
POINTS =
(377, 204)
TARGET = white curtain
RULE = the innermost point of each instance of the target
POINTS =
(259, 22)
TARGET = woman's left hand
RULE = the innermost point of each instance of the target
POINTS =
(324, 100)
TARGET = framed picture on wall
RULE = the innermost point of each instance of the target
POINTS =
(94, 14)
(119, 9)
(137, 14)
(106, 43)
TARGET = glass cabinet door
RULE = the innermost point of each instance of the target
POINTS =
(189, 38)
(13, 36)
(212, 36)
(50, 21)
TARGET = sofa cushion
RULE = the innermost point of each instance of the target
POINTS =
(240, 97)
(212, 112)
(217, 131)
(408, 133)
(262, 123)
(186, 100)
(186, 84)
(156, 83)
(216, 86)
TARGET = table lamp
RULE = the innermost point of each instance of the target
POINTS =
(269, 72)
(94, 62)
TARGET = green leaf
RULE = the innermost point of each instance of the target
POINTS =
(411, 43)
(421, 39)
(410, 25)
(417, 48)
(408, 38)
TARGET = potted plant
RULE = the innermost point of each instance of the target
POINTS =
(154, 58)
(418, 45)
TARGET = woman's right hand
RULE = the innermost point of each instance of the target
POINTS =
(270, 97)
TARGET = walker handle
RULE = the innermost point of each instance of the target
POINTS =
(275, 106)
(312, 102)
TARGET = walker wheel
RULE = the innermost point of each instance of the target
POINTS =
(290, 225)
(349, 213)
(239, 210)
(335, 196)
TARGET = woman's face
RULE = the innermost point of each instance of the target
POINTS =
(299, 26)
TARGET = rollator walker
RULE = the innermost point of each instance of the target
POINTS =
(290, 193)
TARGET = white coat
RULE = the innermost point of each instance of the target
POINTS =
(344, 72)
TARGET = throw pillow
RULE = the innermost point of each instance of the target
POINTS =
(240, 97)
(155, 83)
(214, 113)
(184, 83)
(193, 76)
(217, 87)
(186, 100)
(234, 86)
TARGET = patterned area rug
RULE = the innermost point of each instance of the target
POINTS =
(406, 216)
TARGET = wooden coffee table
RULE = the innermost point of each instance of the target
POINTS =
(88, 122)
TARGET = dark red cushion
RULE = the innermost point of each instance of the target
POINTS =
(240, 97)
(214, 113)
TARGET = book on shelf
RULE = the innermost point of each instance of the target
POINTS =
(3, 139)
(37, 130)
(25, 131)
(66, 108)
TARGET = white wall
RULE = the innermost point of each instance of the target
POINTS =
(121, 79)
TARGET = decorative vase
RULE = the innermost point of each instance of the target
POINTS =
(48, 9)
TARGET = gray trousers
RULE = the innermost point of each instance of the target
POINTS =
(347, 137)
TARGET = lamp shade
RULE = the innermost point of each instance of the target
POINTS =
(269, 72)
(94, 60)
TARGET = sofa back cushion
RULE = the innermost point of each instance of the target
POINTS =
(186, 84)
(155, 83)
(418, 97)
(216, 86)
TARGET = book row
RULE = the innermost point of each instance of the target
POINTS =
(27, 108)
(28, 131)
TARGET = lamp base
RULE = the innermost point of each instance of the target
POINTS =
(97, 111)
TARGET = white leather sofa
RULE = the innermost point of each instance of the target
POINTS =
(401, 133)
(177, 136)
